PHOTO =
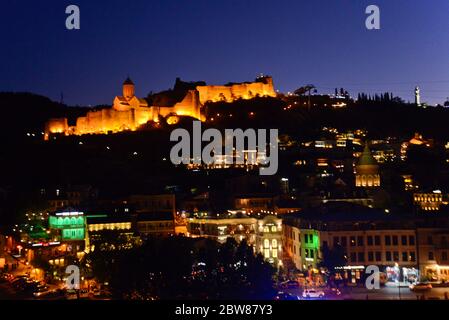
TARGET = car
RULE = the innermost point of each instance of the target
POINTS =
(421, 286)
(29, 287)
(41, 290)
(96, 292)
(20, 282)
(71, 294)
(83, 293)
(52, 294)
(6, 277)
(313, 293)
(12, 279)
(335, 291)
(285, 296)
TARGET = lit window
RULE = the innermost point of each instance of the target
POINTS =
(266, 243)
(267, 253)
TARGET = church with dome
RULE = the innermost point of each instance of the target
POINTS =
(367, 170)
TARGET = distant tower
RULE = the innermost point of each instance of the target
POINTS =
(417, 97)
(128, 89)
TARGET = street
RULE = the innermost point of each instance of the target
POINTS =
(389, 292)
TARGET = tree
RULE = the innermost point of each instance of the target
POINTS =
(332, 257)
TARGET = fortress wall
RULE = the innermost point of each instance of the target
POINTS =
(143, 115)
(214, 93)
(163, 111)
(121, 117)
(236, 91)
(189, 106)
(119, 120)
(56, 125)
(105, 120)
(81, 125)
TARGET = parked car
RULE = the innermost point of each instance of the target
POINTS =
(52, 294)
(96, 292)
(71, 294)
(29, 287)
(41, 290)
(313, 293)
(20, 282)
(6, 277)
(421, 286)
(12, 278)
(84, 293)
(285, 296)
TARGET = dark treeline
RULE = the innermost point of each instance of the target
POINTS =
(182, 268)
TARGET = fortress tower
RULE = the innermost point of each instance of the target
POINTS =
(128, 89)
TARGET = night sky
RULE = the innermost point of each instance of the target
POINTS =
(323, 42)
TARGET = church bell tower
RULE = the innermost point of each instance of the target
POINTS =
(128, 89)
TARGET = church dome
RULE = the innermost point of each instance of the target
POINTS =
(367, 158)
(367, 170)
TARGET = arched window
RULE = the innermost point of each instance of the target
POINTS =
(266, 243)
(274, 243)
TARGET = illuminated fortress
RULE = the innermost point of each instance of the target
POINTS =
(129, 112)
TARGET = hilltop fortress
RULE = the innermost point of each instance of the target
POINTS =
(129, 112)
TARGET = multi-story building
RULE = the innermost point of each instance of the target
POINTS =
(222, 226)
(269, 239)
(302, 245)
(148, 203)
(398, 245)
(433, 252)
(362, 244)
(264, 233)
(429, 201)
(155, 224)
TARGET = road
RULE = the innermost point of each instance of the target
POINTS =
(7, 292)
(384, 293)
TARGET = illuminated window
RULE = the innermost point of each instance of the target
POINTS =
(275, 253)
(266, 243)
(274, 229)
(274, 243)
(266, 229)
(266, 253)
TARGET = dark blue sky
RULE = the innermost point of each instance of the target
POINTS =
(323, 42)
